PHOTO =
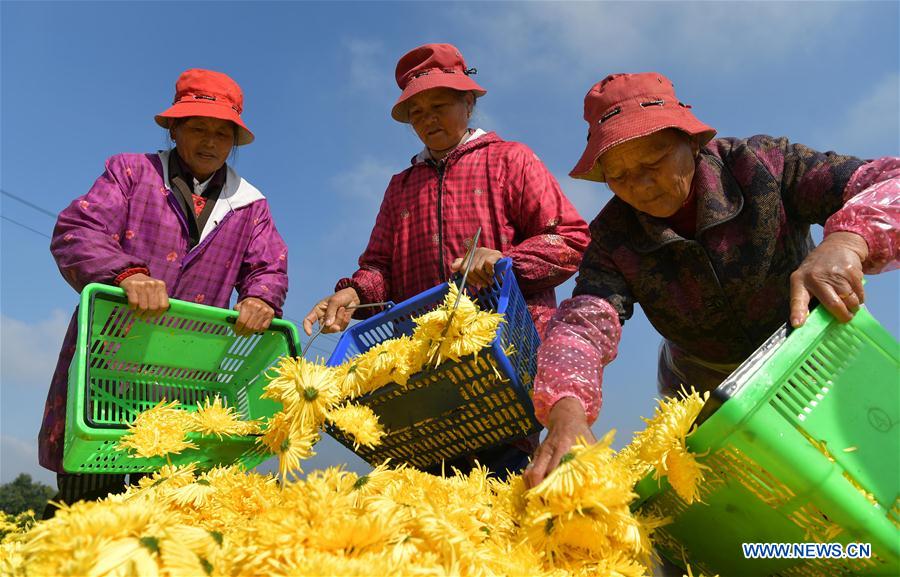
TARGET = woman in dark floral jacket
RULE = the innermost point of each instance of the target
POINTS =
(712, 238)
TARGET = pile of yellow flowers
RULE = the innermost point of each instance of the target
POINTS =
(314, 395)
(398, 521)
(392, 521)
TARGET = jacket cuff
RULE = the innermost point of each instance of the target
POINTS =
(131, 272)
(364, 298)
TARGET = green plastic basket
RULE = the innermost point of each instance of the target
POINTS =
(803, 446)
(124, 365)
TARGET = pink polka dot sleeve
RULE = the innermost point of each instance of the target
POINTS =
(872, 210)
(581, 338)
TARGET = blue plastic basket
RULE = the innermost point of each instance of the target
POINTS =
(459, 407)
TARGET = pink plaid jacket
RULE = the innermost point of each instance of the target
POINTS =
(429, 215)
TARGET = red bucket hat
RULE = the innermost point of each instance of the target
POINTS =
(431, 66)
(207, 93)
(623, 107)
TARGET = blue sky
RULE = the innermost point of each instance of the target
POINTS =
(82, 81)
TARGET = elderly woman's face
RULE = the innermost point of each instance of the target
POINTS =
(204, 143)
(440, 116)
(653, 173)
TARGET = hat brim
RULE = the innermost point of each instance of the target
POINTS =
(209, 110)
(624, 127)
(454, 80)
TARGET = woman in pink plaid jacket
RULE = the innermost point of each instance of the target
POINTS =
(462, 180)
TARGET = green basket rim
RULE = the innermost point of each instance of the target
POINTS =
(95, 291)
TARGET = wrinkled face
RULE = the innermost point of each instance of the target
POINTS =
(204, 143)
(653, 173)
(440, 116)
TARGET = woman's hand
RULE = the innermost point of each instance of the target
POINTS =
(146, 295)
(254, 315)
(567, 425)
(832, 273)
(482, 271)
(332, 313)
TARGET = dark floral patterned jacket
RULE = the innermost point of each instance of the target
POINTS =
(714, 298)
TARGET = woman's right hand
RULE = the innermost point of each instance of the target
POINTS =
(332, 313)
(566, 426)
(146, 295)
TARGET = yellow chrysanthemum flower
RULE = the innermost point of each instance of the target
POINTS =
(214, 418)
(352, 378)
(307, 389)
(470, 329)
(159, 431)
(662, 445)
(290, 441)
(358, 421)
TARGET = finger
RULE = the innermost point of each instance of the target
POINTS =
(143, 300)
(164, 299)
(799, 301)
(263, 318)
(132, 295)
(480, 268)
(155, 300)
(456, 265)
(476, 272)
(537, 470)
(249, 314)
(832, 300)
(331, 312)
(855, 277)
(335, 326)
(489, 269)
(851, 301)
(477, 279)
(344, 319)
(311, 319)
(240, 325)
(558, 452)
(254, 323)
(267, 319)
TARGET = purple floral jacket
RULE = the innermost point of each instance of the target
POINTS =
(130, 218)
(714, 298)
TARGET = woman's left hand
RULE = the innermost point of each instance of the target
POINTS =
(832, 273)
(482, 272)
(254, 315)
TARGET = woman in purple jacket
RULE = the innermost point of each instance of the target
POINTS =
(180, 224)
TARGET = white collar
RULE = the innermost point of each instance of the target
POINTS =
(236, 193)
(425, 155)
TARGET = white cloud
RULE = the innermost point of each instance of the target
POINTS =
(368, 66)
(364, 181)
(18, 456)
(871, 125)
(359, 190)
(570, 40)
(28, 351)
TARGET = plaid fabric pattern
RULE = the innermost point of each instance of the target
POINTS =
(717, 297)
(130, 218)
(502, 187)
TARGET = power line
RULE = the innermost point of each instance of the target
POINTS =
(25, 226)
(29, 204)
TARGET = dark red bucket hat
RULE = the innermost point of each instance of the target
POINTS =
(623, 107)
(432, 66)
(207, 93)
